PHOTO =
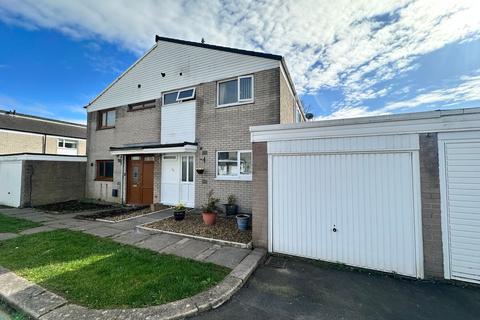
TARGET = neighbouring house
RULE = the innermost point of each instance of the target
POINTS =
(176, 124)
(21, 133)
(395, 193)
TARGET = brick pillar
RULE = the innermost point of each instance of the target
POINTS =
(260, 195)
(431, 215)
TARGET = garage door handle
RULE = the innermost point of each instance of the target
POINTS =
(334, 229)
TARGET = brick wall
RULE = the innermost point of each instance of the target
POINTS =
(11, 142)
(431, 215)
(260, 195)
(140, 126)
(287, 102)
(46, 182)
(227, 129)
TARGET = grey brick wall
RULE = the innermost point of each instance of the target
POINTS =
(260, 195)
(227, 129)
(431, 215)
(130, 127)
(45, 182)
(287, 102)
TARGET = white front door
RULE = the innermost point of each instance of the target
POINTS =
(177, 182)
(459, 155)
(170, 184)
(187, 185)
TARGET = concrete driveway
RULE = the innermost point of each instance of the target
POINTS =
(297, 289)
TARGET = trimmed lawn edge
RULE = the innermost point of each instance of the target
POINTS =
(10, 224)
(212, 298)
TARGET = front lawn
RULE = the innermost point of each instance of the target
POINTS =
(15, 225)
(99, 273)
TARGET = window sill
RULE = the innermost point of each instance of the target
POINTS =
(234, 104)
(106, 128)
(103, 180)
(140, 109)
(249, 178)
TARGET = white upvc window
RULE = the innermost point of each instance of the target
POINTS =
(235, 91)
(67, 147)
(178, 96)
(67, 144)
(234, 165)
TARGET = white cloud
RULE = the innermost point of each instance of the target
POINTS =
(354, 46)
(351, 112)
(468, 89)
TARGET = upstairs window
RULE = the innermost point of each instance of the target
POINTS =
(67, 144)
(235, 91)
(105, 170)
(178, 96)
(106, 119)
(141, 105)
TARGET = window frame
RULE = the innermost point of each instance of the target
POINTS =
(239, 101)
(100, 117)
(141, 105)
(98, 177)
(239, 176)
(191, 97)
(63, 141)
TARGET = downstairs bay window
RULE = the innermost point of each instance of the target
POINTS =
(234, 165)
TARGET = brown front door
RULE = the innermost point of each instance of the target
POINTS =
(140, 179)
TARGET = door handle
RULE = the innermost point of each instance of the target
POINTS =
(334, 229)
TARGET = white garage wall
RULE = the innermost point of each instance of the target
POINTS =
(10, 182)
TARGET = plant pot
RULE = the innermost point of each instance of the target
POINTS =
(243, 221)
(179, 215)
(209, 218)
(231, 209)
(200, 170)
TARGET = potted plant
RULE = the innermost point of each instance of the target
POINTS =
(179, 212)
(243, 221)
(209, 213)
(230, 207)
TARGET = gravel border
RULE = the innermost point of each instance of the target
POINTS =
(134, 217)
(41, 304)
(186, 235)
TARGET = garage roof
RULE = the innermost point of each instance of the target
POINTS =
(10, 120)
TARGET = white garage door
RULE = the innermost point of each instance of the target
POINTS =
(460, 167)
(352, 208)
(10, 182)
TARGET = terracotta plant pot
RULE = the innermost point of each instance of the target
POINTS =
(209, 218)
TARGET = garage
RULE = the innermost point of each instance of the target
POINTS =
(395, 193)
(460, 183)
(29, 179)
(348, 200)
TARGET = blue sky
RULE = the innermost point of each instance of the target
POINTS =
(347, 59)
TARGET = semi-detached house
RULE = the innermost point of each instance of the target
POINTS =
(176, 124)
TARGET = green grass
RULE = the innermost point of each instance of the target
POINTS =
(15, 225)
(12, 314)
(99, 273)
